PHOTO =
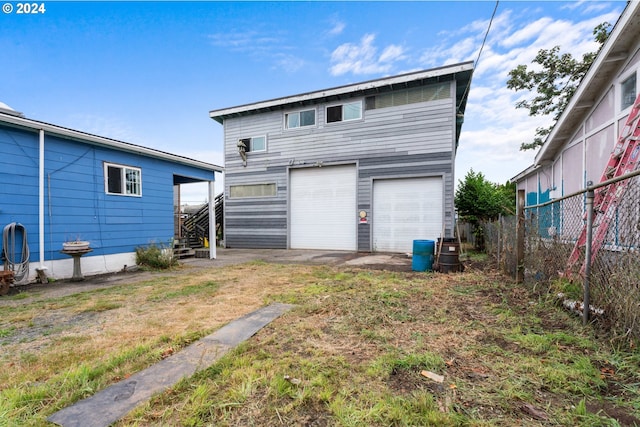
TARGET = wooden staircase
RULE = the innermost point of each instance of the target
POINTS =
(181, 249)
(195, 231)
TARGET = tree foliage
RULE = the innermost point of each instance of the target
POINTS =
(553, 83)
(480, 200)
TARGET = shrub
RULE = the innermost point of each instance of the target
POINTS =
(154, 256)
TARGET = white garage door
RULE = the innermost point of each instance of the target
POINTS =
(323, 208)
(405, 210)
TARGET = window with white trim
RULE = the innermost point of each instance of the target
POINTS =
(300, 119)
(122, 180)
(344, 112)
(256, 143)
(628, 92)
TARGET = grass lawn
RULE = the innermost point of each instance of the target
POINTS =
(361, 347)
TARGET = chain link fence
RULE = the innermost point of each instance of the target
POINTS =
(555, 251)
(500, 243)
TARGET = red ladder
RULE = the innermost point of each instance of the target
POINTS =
(624, 159)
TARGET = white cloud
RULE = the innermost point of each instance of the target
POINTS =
(363, 58)
(105, 126)
(392, 53)
(337, 28)
(587, 6)
(528, 32)
(244, 41)
(273, 48)
(288, 63)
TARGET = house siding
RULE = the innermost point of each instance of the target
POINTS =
(586, 134)
(75, 202)
(413, 140)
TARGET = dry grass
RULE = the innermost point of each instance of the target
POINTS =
(356, 341)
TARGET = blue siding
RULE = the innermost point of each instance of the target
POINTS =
(76, 205)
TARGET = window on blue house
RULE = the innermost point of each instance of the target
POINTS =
(124, 180)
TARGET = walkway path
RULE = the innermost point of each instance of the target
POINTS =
(112, 403)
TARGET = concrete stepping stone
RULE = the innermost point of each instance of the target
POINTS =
(115, 401)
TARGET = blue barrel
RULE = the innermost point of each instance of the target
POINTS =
(422, 259)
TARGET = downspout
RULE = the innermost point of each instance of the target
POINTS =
(42, 269)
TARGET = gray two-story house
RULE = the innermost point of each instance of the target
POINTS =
(366, 167)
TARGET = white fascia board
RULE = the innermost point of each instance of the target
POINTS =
(107, 142)
(341, 90)
(525, 173)
(631, 10)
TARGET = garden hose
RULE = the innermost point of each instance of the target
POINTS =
(21, 268)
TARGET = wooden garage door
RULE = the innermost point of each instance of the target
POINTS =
(405, 210)
(323, 208)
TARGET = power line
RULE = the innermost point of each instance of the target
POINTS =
(486, 34)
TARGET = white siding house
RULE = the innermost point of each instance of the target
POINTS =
(580, 144)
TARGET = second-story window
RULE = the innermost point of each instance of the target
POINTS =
(344, 112)
(256, 143)
(300, 119)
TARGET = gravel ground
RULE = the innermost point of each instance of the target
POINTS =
(60, 288)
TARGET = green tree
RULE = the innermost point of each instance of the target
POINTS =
(553, 83)
(479, 200)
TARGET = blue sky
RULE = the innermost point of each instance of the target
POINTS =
(149, 72)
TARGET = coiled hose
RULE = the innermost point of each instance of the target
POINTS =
(21, 268)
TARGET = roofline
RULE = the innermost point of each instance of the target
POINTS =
(620, 25)
(220, 114)
(524, 173)
(17, 121)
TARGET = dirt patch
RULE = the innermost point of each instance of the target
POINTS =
(351, 322)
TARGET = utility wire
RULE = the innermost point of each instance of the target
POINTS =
(486, 34)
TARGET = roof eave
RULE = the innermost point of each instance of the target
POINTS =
(311, 97)
(22, 122)
(583, 99)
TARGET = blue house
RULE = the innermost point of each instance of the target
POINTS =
(59, 185)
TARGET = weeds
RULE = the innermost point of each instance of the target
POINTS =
(350, 353)
(155, 257)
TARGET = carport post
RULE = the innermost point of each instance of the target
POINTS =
(212, 221)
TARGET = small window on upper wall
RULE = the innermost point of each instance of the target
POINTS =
(628, 92)
(252, 190)
(123, 180)
(344, 112)
(256, 143)
(300, 119)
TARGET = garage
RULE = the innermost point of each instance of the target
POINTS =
(405, 210)
(323, 208)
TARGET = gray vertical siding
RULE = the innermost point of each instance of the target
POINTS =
(412, 140)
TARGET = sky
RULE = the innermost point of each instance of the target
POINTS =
(149, 72)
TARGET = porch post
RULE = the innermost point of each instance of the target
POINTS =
(212, 221)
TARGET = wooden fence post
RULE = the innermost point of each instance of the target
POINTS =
(520, 238)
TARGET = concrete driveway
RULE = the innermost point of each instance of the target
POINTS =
(301, 256)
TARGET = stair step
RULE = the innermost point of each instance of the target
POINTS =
(188, 254)
(202, 253)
